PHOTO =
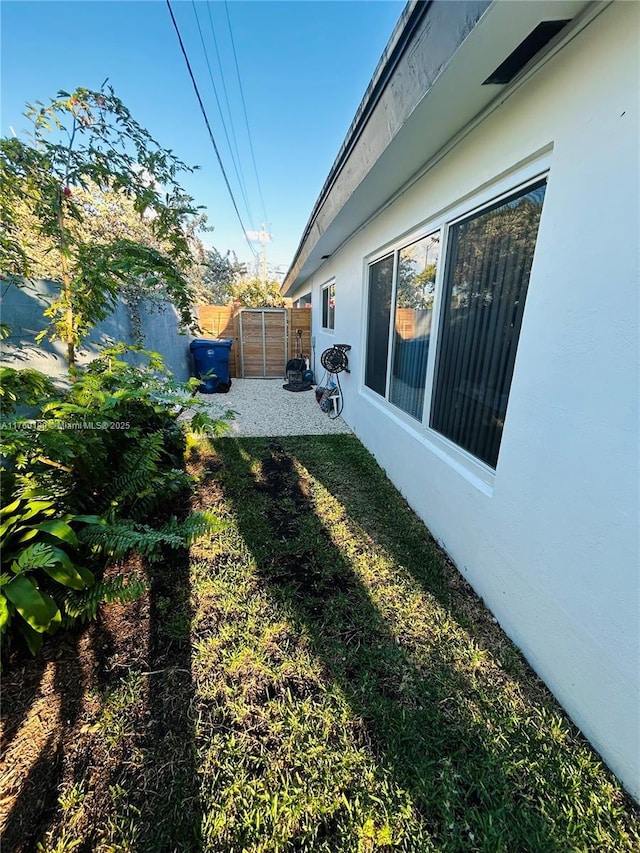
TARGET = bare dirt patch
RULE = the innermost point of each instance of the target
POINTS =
(84, 722)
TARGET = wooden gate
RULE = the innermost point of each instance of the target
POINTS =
(263, 342)
(223, 321)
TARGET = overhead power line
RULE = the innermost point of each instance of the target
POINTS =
(226, 100)
(244, 108)
(206, 121)
(236, 162)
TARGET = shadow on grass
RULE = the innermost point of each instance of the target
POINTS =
(374, 505)
(136, 773)
(171, 810)
(432, 727)
(36, 801)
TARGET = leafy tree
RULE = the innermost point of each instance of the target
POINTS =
(108, 214)
(219, 274)
(254, 293)
(86, 151)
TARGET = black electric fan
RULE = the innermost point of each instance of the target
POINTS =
(335, 361)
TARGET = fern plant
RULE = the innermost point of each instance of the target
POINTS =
(83, 606)
(119, 538)
(106, 495)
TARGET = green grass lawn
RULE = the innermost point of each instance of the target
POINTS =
(352, 693)
(320, 679)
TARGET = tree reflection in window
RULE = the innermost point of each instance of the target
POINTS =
(415, 290)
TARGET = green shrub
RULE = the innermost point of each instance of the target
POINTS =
(25, 386)
(88, 481)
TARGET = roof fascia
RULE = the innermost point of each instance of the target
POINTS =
(412, 22)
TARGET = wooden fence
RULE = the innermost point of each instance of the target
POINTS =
(299, 319)
(223, 321)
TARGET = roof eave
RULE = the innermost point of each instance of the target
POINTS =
(414, 21)
(431, 86)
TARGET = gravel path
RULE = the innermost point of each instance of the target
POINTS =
(264, 408)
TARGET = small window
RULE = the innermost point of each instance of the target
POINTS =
(329, 306)
(303, 302)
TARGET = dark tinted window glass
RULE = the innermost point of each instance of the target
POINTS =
(329, 307)
(487, 275)
(379, 315)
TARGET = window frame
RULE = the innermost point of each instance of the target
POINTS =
(324, 288)
(475, 470)
(307, 303)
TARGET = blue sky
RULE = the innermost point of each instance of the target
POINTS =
(304, 67)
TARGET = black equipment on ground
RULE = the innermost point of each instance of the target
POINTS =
(297, 386)
(296, 366)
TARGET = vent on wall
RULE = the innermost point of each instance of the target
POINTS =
(526, 50)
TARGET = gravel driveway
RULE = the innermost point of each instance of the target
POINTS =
(264, 408)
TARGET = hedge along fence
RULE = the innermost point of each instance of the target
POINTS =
(223, 321)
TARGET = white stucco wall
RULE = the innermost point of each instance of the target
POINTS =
(552, 546)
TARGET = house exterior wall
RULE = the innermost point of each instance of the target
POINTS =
(551, 544)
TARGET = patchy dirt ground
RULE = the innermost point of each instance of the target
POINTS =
(89, 727)
(302, 655)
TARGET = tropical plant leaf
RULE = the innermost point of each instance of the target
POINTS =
(33, 638)
(55, 623)
(66, 574)
(29, 534)
(60, 530)
(9, 527)
(9, 509)
(33, 508)
(37, 608)
(89, 519)
(36, 556)
(5, 613)
(87, 576)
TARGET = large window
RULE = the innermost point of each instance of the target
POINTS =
(380, 289)
(329, 306)
(415, 289)
(483, 288)
(401, 293)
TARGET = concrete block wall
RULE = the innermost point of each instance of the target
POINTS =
(22, 309)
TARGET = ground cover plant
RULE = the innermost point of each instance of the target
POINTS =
(315, 677)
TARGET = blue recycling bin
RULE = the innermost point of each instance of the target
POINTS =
(212, 357)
